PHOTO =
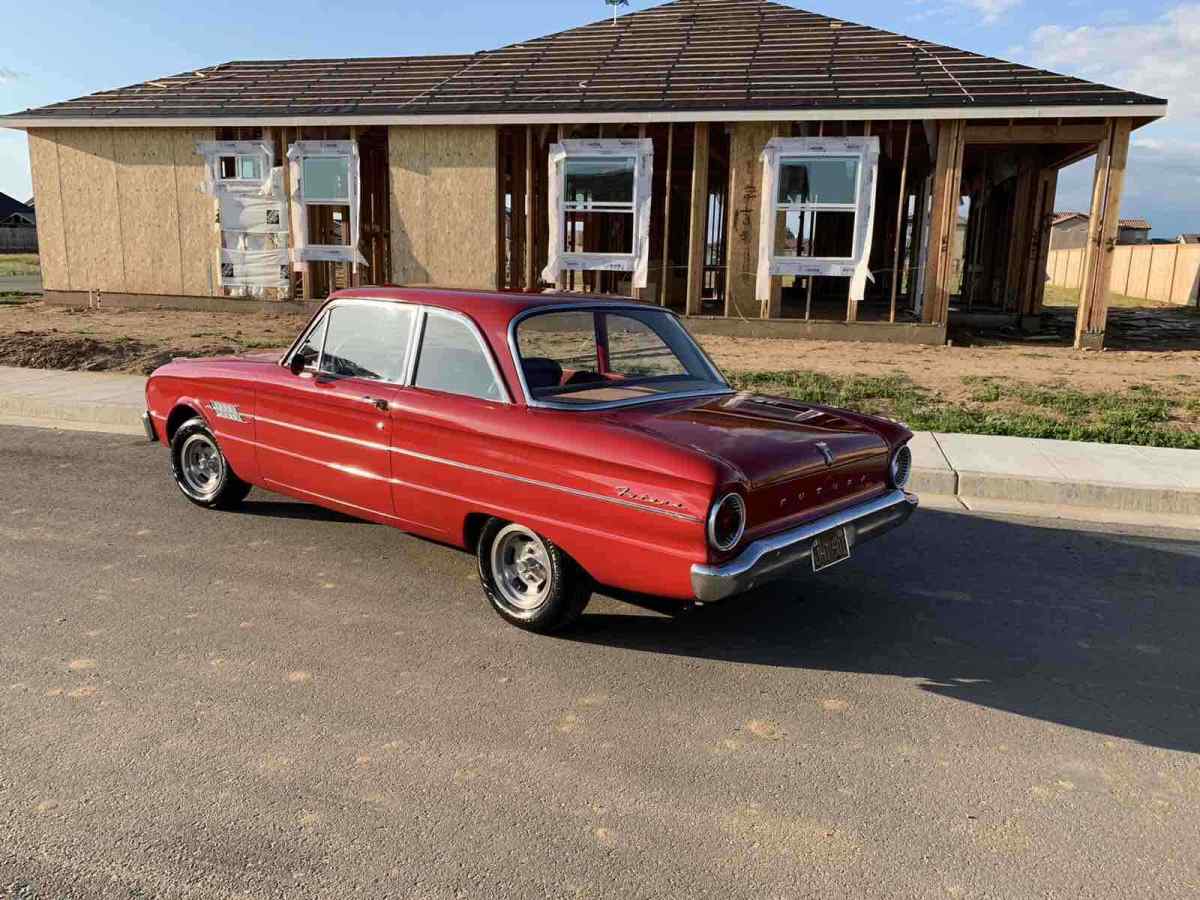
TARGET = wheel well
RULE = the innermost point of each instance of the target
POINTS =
(178, 416)
(472, 528)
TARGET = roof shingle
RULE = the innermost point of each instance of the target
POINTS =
(686, 55)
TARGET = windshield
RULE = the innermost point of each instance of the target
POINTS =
(579, 357)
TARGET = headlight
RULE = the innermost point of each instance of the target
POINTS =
(901, 466)
(726, 522)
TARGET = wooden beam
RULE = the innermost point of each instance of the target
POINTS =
(745, 199)
(665, 276)
(1049, 133)
(947, 181)
(1020, 234)
(1034, 289)
(530, 216)
(698, 219)
(901, 207)
(287, 204)
(1107, 186)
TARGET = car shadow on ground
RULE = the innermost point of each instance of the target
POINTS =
(1088, 629)
(290, 509)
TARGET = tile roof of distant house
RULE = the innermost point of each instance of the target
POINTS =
(687, 56)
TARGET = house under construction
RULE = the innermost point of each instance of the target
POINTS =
(762, 169)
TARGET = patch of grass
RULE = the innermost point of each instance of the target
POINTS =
(19, 264)
(1140, 415)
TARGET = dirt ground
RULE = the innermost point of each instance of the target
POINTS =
(36, 334)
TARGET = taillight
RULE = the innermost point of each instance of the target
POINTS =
(726, 522)
(901, 466)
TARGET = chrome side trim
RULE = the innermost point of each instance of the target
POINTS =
(786, 553)
(148, 426)
(515, 353)
(577, 492)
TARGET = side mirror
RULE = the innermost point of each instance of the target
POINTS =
(296, 363)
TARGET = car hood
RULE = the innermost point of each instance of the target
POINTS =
(763, 439)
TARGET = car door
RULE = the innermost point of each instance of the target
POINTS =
(448, 427)
(325, 434)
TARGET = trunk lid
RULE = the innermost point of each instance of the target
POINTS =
(797, 461)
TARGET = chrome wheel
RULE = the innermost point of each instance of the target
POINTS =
(521, 568)
(201, 466)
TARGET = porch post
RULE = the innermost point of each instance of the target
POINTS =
(1111, 155)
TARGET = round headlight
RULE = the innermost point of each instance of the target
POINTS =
(901, 466)
(726, 522)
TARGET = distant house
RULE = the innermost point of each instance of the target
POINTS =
(1189, 238)
(18, 226)
(1069, 231)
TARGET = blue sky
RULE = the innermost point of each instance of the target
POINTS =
(83, 47)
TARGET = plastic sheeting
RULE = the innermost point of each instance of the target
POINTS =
(255, 268)
(558, 259)
(857, 268)
(297, 153)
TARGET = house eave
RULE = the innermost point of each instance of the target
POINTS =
(1076, 111)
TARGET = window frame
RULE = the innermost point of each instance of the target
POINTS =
(772, 264)
(342, 303)
(297, 153)
(531, 401)
(416, 336)
(419, 347)
(349, 160)
(641, 151)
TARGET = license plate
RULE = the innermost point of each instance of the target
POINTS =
(829, 548)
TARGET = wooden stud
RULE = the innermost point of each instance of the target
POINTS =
(1034, 134)
(901, 208)
(943, 220)
(698, 219)
(1039, 252)
(665, 276)
(1020, 234)
(1111, 156)
(530, 214)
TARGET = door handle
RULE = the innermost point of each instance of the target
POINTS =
(379, 403)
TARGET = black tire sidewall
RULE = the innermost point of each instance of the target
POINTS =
(231, 490)
(570, 588)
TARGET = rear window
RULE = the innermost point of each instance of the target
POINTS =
(592, 357)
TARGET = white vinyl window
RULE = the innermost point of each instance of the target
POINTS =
(817, 209)
(600, 207)
(244, 167)
(325, 174)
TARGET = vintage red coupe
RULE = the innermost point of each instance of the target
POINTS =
(569, 441)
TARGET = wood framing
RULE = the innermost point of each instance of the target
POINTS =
(1020, 235)
(745, 197)
(698, 219)
(530, 217)
(1111, 156)
(664, 279)
(1035, 133)
(947, 185)
(901, 209)
(1034, 275)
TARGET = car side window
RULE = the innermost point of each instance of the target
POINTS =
(310, 348)
(368, 340)
(453, 361)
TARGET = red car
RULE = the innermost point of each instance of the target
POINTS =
(570, 442)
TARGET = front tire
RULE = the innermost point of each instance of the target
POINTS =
(529, 580)
(200, 468)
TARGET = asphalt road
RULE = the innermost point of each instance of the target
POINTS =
(283, 702)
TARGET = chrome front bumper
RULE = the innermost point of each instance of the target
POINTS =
(790, 552)
(148, 426)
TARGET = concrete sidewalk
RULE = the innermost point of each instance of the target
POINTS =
(1093, 482)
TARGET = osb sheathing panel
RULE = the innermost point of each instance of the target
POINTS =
(52, 241)
(198, 236)
(443, 205)
(92, 220)
(149, 213)
(745, 186)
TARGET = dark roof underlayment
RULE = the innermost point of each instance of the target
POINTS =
(683, 56)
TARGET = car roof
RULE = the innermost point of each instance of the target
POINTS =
(485, 304)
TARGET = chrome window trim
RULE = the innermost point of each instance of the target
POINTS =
(342, 302)
(420, 312)
(515, 352)
(485, 349)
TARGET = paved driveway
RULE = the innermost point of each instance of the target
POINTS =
(282, 702)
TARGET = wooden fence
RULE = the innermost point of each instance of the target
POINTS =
(18, 240)
(1167, 273)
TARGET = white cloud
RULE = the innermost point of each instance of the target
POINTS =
(991, 10)
(1159, 58)
(7, 76)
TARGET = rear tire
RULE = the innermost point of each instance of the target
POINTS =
(528, 579)
(200, 469)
